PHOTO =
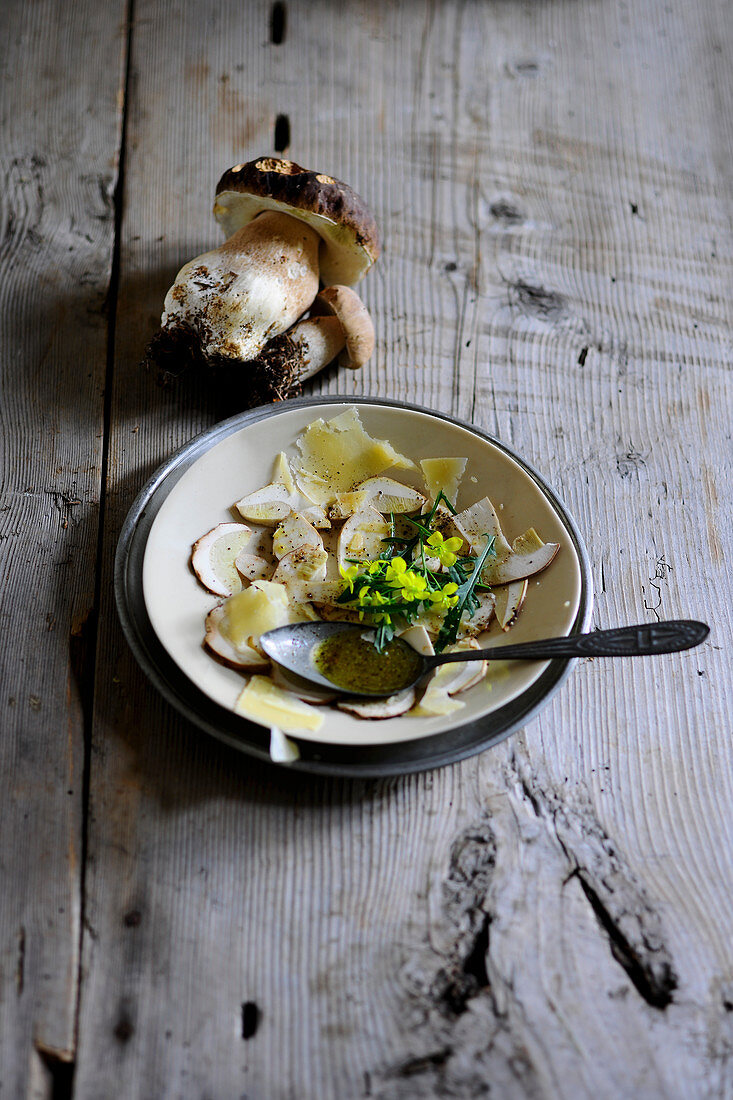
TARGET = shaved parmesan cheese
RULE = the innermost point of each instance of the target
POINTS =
(339, 454)
(443, 474)
(269, 705)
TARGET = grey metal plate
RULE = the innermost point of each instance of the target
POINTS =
(318, 758)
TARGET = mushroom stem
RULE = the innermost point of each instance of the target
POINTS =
(252, 288)
(318, 340)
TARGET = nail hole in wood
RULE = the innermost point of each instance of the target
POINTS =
(123, 1029)
(250, 1019)
(282, 133)
(277, 24)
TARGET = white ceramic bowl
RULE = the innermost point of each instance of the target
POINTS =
(242, 460)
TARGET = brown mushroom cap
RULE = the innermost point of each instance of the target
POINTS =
(330, 207)
(355, 320)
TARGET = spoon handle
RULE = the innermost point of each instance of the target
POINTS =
(646, 639)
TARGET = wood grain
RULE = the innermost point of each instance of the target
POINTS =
(59, 101)
(547, 920)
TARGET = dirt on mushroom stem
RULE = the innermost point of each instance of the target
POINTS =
(239, 385)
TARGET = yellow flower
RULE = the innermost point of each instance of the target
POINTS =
(349, 574)
(444, 597)
(414, 587)
(371, 602)
(445, 549)
(395, 570)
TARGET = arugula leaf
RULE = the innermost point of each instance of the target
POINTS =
(467, 599)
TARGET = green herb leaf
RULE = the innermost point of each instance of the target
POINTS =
(467, 600)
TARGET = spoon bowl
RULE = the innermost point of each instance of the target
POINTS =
(341, 657)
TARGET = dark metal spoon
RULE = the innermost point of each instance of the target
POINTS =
(294, 647)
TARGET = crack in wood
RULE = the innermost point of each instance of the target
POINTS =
(84, 639)
(472, 860)
(422, 1062)
(20, 966)
(59, 1066)
(618, 901)
(656, 987)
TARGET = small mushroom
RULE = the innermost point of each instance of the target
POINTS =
(339, 325)
(287, 228)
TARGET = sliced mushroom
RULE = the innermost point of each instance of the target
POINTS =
(214, 555)
(306, 563)
(346, 504)
(482, 616)
(461, 677)
(337, 613)
(321, 593)
(292, 533)
(375, 709)
(316, 515)
(236, 625)
(474, 524)
(362, 536)
(286, 229)
(253, 567)
(436, 703)
(387, 495)
(269, 505)
(509, 599)
(529, 555)
(419, 639)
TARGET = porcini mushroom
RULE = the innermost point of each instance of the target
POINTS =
(287, 229)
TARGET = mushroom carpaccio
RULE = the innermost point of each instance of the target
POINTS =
(341, 510)
(250, 311)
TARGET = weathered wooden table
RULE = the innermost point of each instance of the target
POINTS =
(551, 918)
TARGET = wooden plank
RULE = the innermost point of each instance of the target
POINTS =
(549, 919)
(60, 110)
